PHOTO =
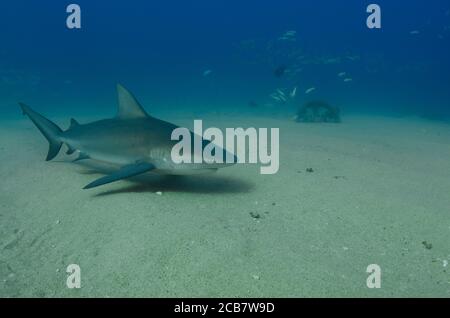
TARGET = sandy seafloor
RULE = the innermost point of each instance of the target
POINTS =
(380, 188)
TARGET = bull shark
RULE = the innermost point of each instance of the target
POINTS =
(133, 140)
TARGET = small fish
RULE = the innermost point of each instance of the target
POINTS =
(414, 32)
(294, 92)
(207, 72)
(309, 90)
(342, 74)
(288, 36)
(276, 98)
(353, 58)
(332, 61)
(348, 80)
(280, 92)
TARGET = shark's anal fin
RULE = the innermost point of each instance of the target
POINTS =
(70, 150)
(124, 173)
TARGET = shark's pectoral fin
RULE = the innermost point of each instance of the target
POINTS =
(124, 173)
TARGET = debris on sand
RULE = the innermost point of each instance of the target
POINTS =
(318, 112)
(427, 245)
(255, 215)
(309, 170)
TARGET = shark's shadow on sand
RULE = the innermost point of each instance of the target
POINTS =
(211, 183)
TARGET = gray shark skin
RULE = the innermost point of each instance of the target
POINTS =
(133, 140)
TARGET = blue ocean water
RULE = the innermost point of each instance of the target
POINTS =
(161, 49)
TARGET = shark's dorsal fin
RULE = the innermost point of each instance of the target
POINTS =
(129, 107)
(73, 123)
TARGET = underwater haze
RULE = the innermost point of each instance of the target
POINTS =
(161, 50)
(364, 149)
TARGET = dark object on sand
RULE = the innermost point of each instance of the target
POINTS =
(255, 215)
(310, 170)
(427, 245)
(318, 112)
(279, 71)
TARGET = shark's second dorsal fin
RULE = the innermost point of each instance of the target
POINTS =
(73, 123)
(129, 107)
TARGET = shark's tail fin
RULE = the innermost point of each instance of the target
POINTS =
(50, 130)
